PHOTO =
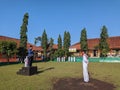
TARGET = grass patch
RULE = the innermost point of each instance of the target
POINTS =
(48, 71)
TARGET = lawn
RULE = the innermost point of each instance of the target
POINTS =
(49, 71)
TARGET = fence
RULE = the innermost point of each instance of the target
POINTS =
(79, 59)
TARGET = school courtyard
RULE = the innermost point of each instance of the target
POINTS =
(61, 76)
(65, 75)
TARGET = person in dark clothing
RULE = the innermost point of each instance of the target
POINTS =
(30, 55)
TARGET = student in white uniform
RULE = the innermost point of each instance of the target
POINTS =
(85, 67)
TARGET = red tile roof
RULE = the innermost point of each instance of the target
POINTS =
(5, 38)
(77, 46)
(92, 43)
(55, 46)
(114, 43)
(36, 48)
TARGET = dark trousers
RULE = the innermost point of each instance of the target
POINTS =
(30, 61)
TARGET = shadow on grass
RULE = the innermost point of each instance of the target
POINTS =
(47, 69)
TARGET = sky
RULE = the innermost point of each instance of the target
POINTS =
(58, 16)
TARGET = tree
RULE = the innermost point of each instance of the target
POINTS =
(65, 40)
(83, 40)
(23, 31)
(22, 50)
(66, 43)
(21, 53)
(59, 42)
(44, 43)
(69, 39)
(60, 51)
(103, 45)
(8, 49)
(51, 48)
(38, 39)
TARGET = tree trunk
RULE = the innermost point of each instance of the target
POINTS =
(8, 58)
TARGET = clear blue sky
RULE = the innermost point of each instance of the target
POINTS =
(57, 16)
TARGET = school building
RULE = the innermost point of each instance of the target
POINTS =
(93, 50)
(37, 49)
(75, 50)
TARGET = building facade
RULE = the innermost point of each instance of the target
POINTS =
(93, 47)
(38, 50)
(75, 50)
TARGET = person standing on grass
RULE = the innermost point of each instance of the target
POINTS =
(30, 55)
(85, 66)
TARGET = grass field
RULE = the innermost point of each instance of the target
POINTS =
(48, 71)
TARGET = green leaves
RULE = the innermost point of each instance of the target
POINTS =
(22, 50)
(44, 43)
(66, 44)
(59, 53)
(103, 44)
(83, 40)
(8, 48)
(59, 42)
(51, 48)
(38, 39)
(23, 31)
